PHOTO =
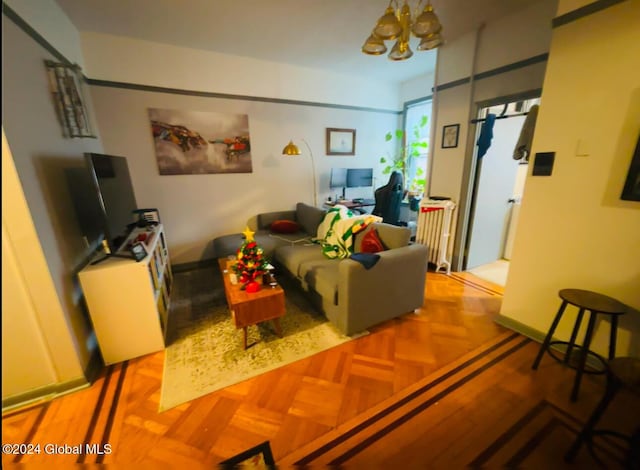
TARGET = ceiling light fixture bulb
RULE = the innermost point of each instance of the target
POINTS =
(400, 51)
(426, 23)
(388, 26)
(374, 45)
(430, 42)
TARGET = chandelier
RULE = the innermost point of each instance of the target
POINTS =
(398, 23)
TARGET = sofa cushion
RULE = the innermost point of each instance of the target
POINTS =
(391, 235)
(371, 242)
(291, 257)
(321, 276)
(284, 226)
(309, 217)
(268, 242)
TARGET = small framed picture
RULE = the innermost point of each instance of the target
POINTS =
(341, 141)
(139, 251)
(450, 136)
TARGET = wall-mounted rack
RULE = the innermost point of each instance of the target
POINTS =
(65, 82)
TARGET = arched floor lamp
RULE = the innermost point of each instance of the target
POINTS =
(292, 149)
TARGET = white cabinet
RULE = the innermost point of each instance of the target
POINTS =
(128, 301)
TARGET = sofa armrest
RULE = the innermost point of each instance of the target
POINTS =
(394, 286)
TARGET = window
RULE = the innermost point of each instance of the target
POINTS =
(413, 115)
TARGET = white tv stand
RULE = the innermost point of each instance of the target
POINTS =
(128, 301)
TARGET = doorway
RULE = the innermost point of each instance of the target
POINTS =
(497, 189)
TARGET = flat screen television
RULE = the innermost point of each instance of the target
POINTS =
(359, 177)
(103, 198)
(338, 178)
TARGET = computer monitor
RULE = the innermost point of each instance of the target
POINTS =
(338, 178)
(359, 177)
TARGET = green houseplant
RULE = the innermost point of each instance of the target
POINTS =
(404, 153)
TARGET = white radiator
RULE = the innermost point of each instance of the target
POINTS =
(435, 222)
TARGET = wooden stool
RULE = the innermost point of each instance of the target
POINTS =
(623, 372)
(596, 304)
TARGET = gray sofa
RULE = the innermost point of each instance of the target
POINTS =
(352, 297)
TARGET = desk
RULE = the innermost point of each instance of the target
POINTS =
(352, 205)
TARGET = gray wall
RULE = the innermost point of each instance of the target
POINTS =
(41, 154)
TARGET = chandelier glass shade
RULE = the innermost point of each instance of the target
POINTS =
(398, 24)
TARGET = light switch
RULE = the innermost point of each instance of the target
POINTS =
(582, 148)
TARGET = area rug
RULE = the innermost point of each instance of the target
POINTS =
(205, 352)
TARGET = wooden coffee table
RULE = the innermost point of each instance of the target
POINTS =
(252, 308)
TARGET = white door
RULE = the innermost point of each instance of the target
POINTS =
(511, 232)
(495, 187)
(518, 191)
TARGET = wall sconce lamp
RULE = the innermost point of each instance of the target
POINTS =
(292, 149)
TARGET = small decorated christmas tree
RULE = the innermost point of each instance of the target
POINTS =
(251, 263)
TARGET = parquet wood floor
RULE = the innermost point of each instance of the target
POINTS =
(436, 388)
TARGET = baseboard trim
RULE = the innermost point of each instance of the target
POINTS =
(539, 336)
(521, 328)
(184, 267)
(49, 392)
(42, 394)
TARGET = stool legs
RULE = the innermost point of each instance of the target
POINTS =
(574, 335)
(585, 434)
(584, 300)
(547, 340)
(633, 459)
(612, 338)
(583, 356)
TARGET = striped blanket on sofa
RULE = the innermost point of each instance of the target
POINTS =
(336, 231)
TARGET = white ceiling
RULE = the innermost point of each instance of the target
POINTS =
(326, 34)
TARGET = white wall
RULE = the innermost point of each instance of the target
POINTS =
(155, 64)
(40, 154)
(48, 19)
(197, 208)
(455, 59)
(574, 231)
(493, 46)
(527, 34)
(206, 206)
(417, 87)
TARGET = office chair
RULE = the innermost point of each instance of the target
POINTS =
(388, 199)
